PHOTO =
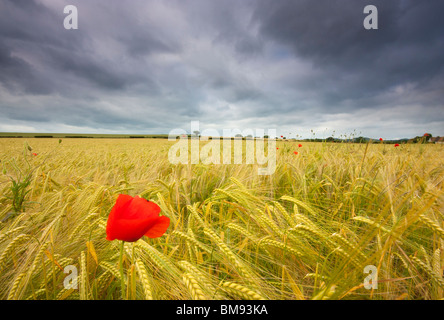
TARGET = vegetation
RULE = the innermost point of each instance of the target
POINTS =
(305, 232)
(79, 136)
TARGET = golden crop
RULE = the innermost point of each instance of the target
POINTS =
(305, 232)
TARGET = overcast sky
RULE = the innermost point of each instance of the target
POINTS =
(142, 66)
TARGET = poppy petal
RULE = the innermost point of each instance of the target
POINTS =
(159, 228)
(131, 230)
(140, 208)
(154, 208)
(131, 218)
(122, 202)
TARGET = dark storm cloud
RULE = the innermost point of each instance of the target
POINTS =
(360, 63)
(26, 30)
(150, 66)
(37, 32)
(16, 74)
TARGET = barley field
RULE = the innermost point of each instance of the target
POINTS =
(306, 232)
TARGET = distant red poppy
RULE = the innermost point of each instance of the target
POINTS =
(131, 218)
(277, 148)
(299, 145)
(295, 152)
(396, 145)
(34, 154)
(380, 139)
(282, 136)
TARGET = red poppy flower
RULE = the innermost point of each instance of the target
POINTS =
(34, 154)
(277, 148)
(299, 145)
(282, 136)
(295, 152)
(396, 145)
(380, 139)
(132, 218)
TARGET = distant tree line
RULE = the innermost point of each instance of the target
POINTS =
(426, 138)
(418, 139)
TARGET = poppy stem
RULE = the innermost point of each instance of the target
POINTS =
(122, 280)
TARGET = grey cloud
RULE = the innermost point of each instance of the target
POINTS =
(406, 47)
(18, 75)
(155, 65)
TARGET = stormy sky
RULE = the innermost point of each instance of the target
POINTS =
(145, 66)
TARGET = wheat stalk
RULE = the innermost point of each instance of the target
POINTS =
(193, 286)
(282, 246)
(242, 231)
(143, 274)
(229, 254)
(432, 225)
(158, 258)
(11, 246)
(437, 278)
(291, 222)
(81, 225)
(191, 240)
(5, 235)
(110, 268)
(15, 286)
(241, 291)
(83, 283)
